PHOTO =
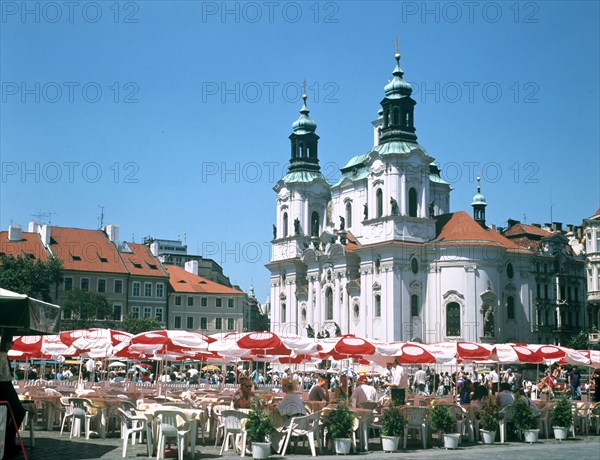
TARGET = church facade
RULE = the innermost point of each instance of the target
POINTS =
(379, 254)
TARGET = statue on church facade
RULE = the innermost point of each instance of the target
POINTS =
(395, 210)
(274, 231)
(296, 226)
(342, 223)
(366, 211)
(488, 322)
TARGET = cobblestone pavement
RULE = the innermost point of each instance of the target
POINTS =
(50, 445)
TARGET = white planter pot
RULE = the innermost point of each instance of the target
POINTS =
(342, 445)
(390, 443)
(560, 432)
(488, 437)
(451, 440)
(531, 436)
(261, 449)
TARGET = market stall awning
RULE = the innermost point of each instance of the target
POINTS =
(24, 315)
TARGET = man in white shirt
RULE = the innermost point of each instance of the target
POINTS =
(420, 381)
(493, 379)
(398, 383)
(363, 393)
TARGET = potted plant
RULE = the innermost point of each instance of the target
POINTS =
(258, 429)
(340, 426)
(562, 418)
(441, 420)
(525, 420)
(488, 420)
(392, 427)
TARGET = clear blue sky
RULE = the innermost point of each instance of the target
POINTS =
(175, 116)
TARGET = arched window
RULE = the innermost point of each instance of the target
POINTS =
(349, 214)
(328, 304)
(379, 203)
(285, 224)
(453, 319)
(412, 202)
(414, 305)
(283, 313)
(510, 307)
(314, 224)
(377, 306)
(377, 265)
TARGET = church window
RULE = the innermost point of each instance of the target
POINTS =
(407, 119)
(377, 265)
(285, 224)
(377, 306)
(314, 224)
(283, 313)
(304, 314)
(414, 265)
(328, 304)
(453, 319)
(510, 307)
(412, 202)
(510, 271)
(349, 214)
(379, 202)
(414, 305)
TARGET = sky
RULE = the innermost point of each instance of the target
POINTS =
(172, 118)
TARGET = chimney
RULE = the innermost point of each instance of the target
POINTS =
(191, 266)
(112, 231)
(154, 248)
(557, 226)
(569, 228)
(15, 233)
(33, 227)
(536, 225)
(548, 226)
(579, 232)
(512, 222)
(44, 231)
(500, 230)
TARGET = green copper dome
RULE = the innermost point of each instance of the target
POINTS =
(478, 199)
(304, 124)
(397, 87)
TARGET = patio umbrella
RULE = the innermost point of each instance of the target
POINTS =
(95, 342)
(24, 315)
(40, 346)
(245, 345)
(348, 346)
(171, 340)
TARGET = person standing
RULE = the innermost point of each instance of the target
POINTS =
(574, 380)
(398, 383)
(8, 393)
(420, 381)
(597, 385)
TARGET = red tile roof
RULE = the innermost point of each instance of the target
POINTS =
(184, 281)
(30, 244)
(85, 250)
(141, 261)
(524, 229)
(460, 228)
(596, 214)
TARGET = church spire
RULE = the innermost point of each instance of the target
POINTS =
(479, 205)
(398, 107)
(304, 141)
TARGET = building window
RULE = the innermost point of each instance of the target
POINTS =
(328, 304)
(314, 224)
(230, 324)
(203, 301)
(218, 324)
(158, 312)
(414, 265)
(118, 285)
(190, 322)
(177, 300)
(285, 225)
(135, 312)
(377, 306)
(510, 307)
(453, 319)
(147, 312)
(190, 301)
(117, 313)
(349, 215)
(101, 285)
(379, 203)
(136, 289)
(203, 323)
(177, 322)
(148, 289)
(377, 265)
(218, 302)
(231, 303)
(283, 313)
(68, 284)
(414, 305)
(160, 290)
(85, 284)
(510, 271)
(412, 202)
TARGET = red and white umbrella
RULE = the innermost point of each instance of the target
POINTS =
(95, 342)
(592, 355)
(39, 346)
(554, 353)
(248, 344)
(348, 346)
(151, 342)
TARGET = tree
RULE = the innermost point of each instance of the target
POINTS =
(135, 325)
(29, 276)
(86, 307)
(579, 341)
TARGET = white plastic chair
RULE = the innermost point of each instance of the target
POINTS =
(131, 425)
(81, 413)
(232, 423)
(67, 412)
(169, 426)
(506, 415)
(306, 425)
(217, 420)
(416, 420)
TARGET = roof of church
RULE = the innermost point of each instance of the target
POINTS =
(460, 228)
(303, 176)
(596, 214)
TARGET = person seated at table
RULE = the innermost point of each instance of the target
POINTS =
(343, 391)
(505, 396)
(243, 395)
(480, 395)
(465, 392)
(319, 392)
(291, 405)
(518, 393)
(363, 393)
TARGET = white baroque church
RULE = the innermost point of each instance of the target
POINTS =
(380, 255)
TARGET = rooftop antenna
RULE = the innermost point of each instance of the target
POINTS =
(101, 218)
(524, 218)
(184, 237)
